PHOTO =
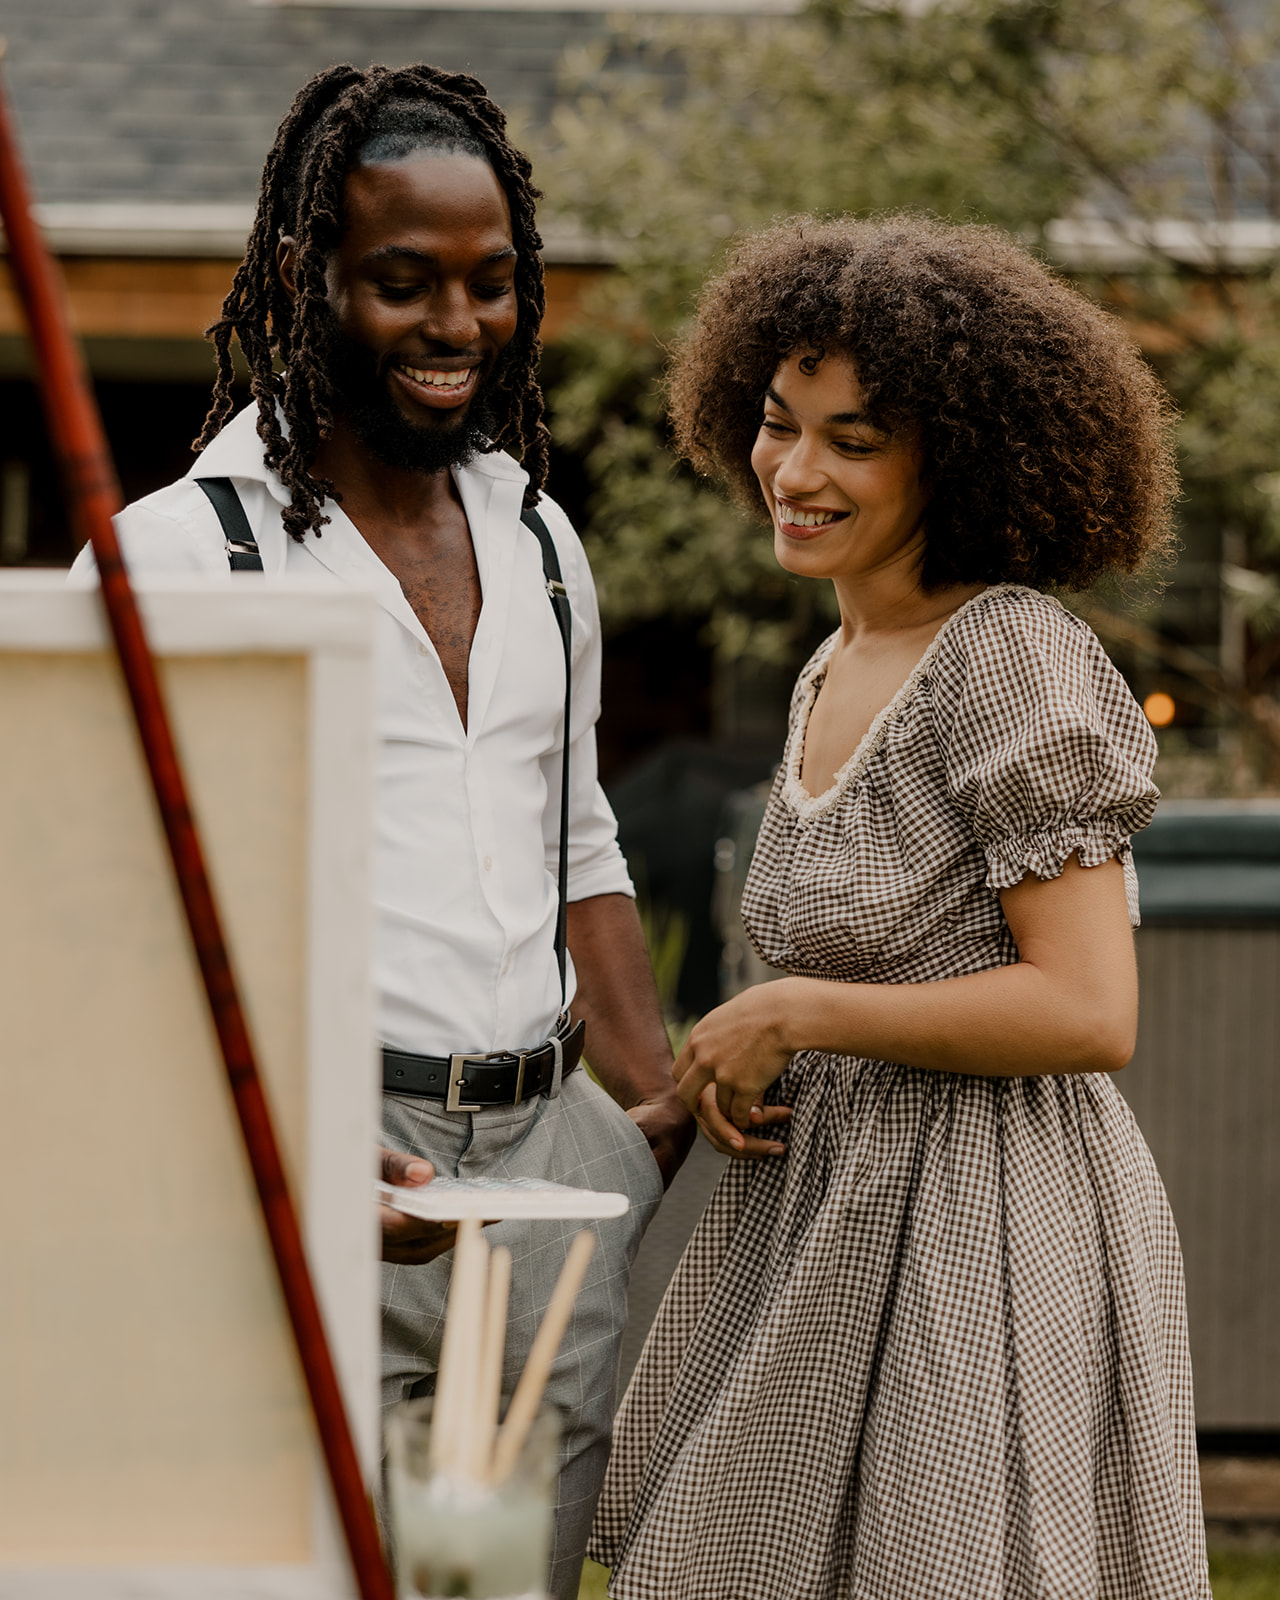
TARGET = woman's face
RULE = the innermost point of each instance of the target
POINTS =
(846, 500)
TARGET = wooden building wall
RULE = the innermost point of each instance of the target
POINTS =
(142, 298)
(1205, 1088)
(141, 320)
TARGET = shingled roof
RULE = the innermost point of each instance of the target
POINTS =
(177, 101)
(168, 106)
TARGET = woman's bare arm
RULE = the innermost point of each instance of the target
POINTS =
(1069, 1004)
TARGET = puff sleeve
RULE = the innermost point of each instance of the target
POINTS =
(1047, 752)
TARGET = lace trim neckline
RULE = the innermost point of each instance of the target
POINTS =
(807, 806)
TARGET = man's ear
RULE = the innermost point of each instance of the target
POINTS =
(287, 264)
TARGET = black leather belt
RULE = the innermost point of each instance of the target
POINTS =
(493, 1078)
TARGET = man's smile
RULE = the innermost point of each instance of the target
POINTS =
(437, 386)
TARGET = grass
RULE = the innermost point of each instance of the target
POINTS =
(594, 1579)
(1236, 1575)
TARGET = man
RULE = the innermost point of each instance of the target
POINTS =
(393, 275)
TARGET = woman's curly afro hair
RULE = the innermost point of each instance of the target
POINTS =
(1046, 438)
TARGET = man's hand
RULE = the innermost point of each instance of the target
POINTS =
(669, 1129)
(627, 1042)
(410, 1241)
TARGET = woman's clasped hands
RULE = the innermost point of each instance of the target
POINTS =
(730, 1058)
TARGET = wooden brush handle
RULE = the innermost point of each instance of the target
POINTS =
(453, 1421)
(537, 1369)
(489, 1395)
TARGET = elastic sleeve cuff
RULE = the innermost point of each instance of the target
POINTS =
(1045, 853)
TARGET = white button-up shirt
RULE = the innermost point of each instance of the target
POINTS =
(466, 820)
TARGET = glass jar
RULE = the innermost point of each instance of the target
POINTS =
(456, 1540)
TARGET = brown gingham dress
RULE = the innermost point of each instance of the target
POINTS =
(938, 1351)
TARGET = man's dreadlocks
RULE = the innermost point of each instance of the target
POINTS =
(386, 114)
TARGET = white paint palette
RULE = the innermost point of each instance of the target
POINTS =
(498, 1200)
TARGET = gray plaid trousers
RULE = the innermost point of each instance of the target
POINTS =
(582, 1138)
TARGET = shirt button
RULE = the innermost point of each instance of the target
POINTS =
(423, 651)
(488, 862)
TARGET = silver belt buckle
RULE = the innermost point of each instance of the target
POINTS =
(458, 1063)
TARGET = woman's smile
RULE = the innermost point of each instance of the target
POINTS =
(804, 522)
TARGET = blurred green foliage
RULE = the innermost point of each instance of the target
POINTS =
(1237, 1575)
(676, 134)
(666, 934)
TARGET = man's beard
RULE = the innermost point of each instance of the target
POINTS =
(361, 395)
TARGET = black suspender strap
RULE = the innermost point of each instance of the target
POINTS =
(242, 547)
(564, 617)
(244, 556)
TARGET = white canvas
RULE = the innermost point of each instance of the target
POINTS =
(155, 1437)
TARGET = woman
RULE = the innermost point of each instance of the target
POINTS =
(928, 1341)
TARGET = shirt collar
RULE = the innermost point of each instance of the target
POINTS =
(238, 452)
